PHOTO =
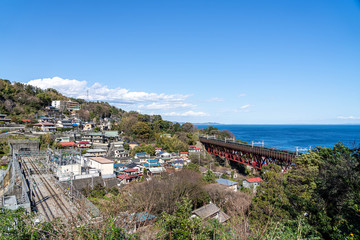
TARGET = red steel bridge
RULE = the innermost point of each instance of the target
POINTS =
(247, 154)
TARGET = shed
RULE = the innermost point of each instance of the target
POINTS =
(210, 211)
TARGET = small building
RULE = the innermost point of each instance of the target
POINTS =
(132, 145)
(111, 135)
(252, 183)
(184, 155)
(105, 165)
(151, 163)
(96, 152)
(129, 174)
(65, 123)
(228, 184)
(142, 155)
(26, 120)
(46, 126)
(119, 167)
(62, 139)
(155, 171)
(158, 149)
(194, 150)
(117, 150)
(177, 164)
(58, 104)
(89, 126)
(67, 144)
(72, 106)
(93, 137)
(163, 154)
(84, 144)
(210, 211)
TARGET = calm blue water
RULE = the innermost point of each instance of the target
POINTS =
(291, 136)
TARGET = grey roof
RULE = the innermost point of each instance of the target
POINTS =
(131, 165)
(206, 211)
(136, 160)
(223, 217)
(156, 169)
(95, 150)
(209, 210)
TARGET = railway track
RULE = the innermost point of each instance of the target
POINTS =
(53, 194)
(58, 203)
(37, 193)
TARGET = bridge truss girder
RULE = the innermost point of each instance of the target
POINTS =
(254, 160)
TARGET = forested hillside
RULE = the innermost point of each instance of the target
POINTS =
(22, 100)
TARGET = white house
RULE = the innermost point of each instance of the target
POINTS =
(105, 165)
(252, 183)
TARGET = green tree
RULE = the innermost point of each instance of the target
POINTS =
(181, 225)
(45, 99)
(187, 127)
(270, 203)
(192, 166)
(325, 185)
(209, 177)
(141, 130)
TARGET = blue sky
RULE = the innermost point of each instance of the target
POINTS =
(246, 62)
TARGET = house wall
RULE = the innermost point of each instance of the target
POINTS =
(106, 169)
(247, 184)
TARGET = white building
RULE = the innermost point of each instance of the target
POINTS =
(105, 165)
(58, 104)
(252, 183)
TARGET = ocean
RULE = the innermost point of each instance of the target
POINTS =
(289, 137)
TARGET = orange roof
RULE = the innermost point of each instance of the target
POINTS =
(125, 176)
(184, 153)
(68, 144)
(256, 179)
(25, 120)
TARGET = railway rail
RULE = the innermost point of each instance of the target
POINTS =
(39, 194)
(53, 194)
(59, 203)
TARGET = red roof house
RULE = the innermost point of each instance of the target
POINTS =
(68, 144)
(252, 183)
(25, 120)
(256, 179)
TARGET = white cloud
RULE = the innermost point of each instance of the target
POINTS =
(71, 88)
(99, 92)
(245, 106)
(186, 114)
(166, 106)
(349, 117)
(215, 99)
(242, 95)
(242, 109)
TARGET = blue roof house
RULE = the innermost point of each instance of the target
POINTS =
(152, 163)
(228, 184)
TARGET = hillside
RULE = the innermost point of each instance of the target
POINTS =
(21, 100)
